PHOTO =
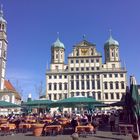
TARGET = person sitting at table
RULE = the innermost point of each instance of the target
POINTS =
(55, 122)
(44, 127)
(84, 120)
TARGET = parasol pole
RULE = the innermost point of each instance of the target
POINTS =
(137, 126)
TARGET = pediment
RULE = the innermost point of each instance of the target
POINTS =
(84, 43)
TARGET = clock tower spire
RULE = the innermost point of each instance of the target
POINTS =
(3, 48)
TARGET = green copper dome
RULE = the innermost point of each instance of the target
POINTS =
(58, 44)
(111, 41)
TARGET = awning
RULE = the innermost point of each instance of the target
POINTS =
(4, 104)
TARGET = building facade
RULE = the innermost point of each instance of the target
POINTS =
(86, 74)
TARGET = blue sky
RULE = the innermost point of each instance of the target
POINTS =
(33, 27)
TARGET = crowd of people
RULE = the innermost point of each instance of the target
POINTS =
(97, 120)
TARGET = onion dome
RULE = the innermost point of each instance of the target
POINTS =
(58, 44)
(1, 15)
(111, 41)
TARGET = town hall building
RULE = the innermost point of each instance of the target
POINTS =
(85, 74)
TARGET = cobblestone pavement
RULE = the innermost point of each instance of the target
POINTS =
(100, 135)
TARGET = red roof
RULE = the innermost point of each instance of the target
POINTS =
(8, 85)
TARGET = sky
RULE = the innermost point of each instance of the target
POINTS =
(32, 27)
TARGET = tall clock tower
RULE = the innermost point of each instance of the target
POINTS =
(3, 48)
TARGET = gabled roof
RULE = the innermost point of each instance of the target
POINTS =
(8, 85)
(84, 43)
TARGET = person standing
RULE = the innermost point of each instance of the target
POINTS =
(112, 122)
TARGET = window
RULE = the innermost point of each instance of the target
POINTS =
(106, 95)
(97, 60)
(77, 69)
(87, 68)
(112, 54)
(60, 86)
(82, 61)
(88, 84)
(72, 77)
(82, 84)
(105, 85)
(65, 95)
(92, 75)
(98, 76)
(93, 95)
(88, 94)
(105, 75)
(65, 76)
(87, 76)
(77, 84)
(72, 94)
(56, 56)
(60, 76)
(77, 93)
(87, 61)
(50, 76)
(71, 61)
(98, 84)
(82, 69)
(82, 76)
(50, 97)
(97, 68)
(117, 96)
(99, 95)
(72, 69)
(111, 85)
(122, 85)
(55, 86)
(121, 75)
(111, 95)
(110, 75)
(83, 93)
(92, 68)
(93, 84)
(92, 60)
(117, 85)
(65, 86)
(50, 86)
(77, 76)
(60, 96)
(116, 75)
(77, 61)
(55, 76)
(72, 84)
(54, 97)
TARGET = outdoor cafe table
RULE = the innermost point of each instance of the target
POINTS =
(84, 128)
(51, 128)
(25, 125)
(126, 128)
(7, 128)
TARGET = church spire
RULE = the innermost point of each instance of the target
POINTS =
(1, 10)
